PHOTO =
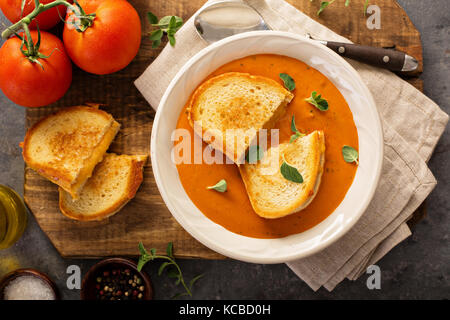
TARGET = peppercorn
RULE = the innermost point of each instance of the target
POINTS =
(119, 284)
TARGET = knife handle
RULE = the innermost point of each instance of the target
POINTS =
(384, 58)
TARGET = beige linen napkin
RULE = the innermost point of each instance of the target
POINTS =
(412, 126)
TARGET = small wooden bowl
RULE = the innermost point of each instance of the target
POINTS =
(89, 280)
(27, 272)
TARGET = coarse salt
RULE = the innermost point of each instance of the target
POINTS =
(28, 288)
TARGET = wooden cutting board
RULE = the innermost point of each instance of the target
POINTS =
(146, 218)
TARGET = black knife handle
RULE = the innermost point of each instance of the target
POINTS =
(384, 58)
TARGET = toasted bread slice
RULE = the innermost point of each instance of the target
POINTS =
(229, 110)
(66, 146)
(114, 182)
(272, 195)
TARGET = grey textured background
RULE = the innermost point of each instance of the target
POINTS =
(416, 269)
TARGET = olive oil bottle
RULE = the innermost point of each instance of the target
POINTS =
(13, 217)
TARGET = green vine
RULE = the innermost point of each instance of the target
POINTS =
(81, 20)
(32, 50)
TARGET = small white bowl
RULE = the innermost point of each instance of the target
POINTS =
(365, 115)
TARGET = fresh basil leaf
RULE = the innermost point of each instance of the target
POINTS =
(318, 101)
(172, 22)
(162, 267)
(254, 154)
(153, 252)
(191, 283)
(156, 35)
(220, 186)
(173, 273)
(169, 249)
(350, 154)
(290, 173)
(297, 134)
(178, 23)
(366, 4)
(323, 6)
(171, 39)
(142, 261)
(180, 295)
(293, 127)
(152, 18)
(289, 83)
(164, 23)
(347, 2)
(167, 24)
(156, 44)
(142, 250)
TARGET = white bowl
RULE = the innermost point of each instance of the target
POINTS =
(365, 115)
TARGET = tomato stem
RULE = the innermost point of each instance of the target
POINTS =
(30, 45)
(39, 8)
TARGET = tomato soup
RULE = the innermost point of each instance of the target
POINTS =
(232, 209)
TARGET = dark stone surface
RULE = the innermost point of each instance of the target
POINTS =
(416, 269)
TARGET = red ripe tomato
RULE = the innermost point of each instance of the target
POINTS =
(45, 20)
(29, 84)
(110, 43)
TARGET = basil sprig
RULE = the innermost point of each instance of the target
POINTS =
(220, 186)
(317, 101)
(166, 25)
(289, 83)
(323, 6)
(290, 173)
(350, 154)
(297, 134)
(173, 269)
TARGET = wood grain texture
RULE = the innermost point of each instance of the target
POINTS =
(146, 218)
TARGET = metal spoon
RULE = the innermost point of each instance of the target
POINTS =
(226, 18)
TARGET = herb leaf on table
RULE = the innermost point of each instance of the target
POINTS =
(173, 269)
(323, 6)
(166, 25)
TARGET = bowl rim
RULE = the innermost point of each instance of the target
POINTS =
(10, 276)
(120, 261)
(191, 230)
